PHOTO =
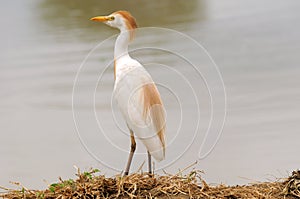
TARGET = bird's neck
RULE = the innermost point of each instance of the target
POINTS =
(121, 45)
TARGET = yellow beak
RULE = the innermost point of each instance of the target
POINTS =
(101, 18)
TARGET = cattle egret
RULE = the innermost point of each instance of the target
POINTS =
(135, 92)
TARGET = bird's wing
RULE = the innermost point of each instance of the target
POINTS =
(153, 111)
(142, 108)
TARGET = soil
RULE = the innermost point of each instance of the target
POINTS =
(142, 185)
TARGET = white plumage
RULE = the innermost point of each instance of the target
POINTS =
(129, 94)
(135, 92)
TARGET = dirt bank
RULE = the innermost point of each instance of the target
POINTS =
(91, 185)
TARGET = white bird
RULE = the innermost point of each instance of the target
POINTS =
(135, 92)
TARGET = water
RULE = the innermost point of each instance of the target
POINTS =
(255, 45)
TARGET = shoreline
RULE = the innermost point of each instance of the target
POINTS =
(142, 185)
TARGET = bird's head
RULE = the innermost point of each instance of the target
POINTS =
(122, 20)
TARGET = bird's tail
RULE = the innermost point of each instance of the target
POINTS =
(155, 147)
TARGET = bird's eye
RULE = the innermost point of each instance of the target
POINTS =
(112, 18)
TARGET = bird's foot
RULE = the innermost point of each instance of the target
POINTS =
(125, 173)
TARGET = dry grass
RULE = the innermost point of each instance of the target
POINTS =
(138, 185)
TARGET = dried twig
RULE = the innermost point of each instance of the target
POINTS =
(141, 185)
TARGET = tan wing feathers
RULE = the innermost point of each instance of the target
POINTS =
(151, 99)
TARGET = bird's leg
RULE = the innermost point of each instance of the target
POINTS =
(132, 150)
(149, 163)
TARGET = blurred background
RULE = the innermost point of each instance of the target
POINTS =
(255, 44)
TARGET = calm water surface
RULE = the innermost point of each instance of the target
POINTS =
(255, 45)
